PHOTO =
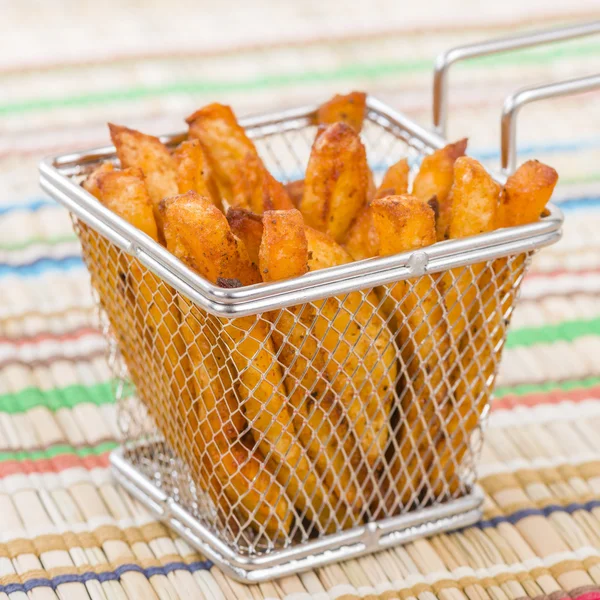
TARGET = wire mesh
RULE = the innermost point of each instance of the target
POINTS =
(286, 426)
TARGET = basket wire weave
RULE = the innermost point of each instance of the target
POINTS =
(358, 438)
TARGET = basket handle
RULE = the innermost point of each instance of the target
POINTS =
(512, 104)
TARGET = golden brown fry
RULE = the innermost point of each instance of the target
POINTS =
(248, 227)
(395, 180)
(526, 194)
(349, 109)
(124, 192)
(295, 190)
(284, 250)
(318, 419)
(193, 172)
(91, 182)
(336, 182)
(474, 204)
(361, 363)
(435, 178)
(362, 240)
(254, 188)
(198, 233)
(225, 144)
(406, 223)
(148, 153)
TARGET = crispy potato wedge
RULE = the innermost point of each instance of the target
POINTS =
(148, 153)
(395, 180)
(198, 233)
(362, 240)
(248, 227)
(474, 205)
(526, 193)
(254, 188)
(225, 144)
(124, 193)
(349, 109)
(361, 364)
(435, 178)
(202, 430)
(194, 173)
(318, 417)
(336, 182)
(295, 190)
(406, 223)
(91, 182)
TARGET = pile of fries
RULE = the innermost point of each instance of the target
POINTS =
(340, 410)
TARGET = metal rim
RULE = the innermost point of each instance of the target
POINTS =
(312, 286)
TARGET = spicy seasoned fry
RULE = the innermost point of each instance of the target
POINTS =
(193, 172)
(319, 420)
(149, 154)
(256, 189)
(200, 236)
(224, 142)
(336, 182)
(349, 109)
(435, 178)
(405, 223)
(395, 180)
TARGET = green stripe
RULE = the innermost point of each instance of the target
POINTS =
(59, 450)
(101, 393)
(367, 71)
(49, 241)
(549, 386)
(67, 397)
(567, 331)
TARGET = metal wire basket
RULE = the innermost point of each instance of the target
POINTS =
(231, 433)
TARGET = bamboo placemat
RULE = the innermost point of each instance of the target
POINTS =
(66, 529)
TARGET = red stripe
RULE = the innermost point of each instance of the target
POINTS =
(299, 41)
(588, 596)
(512, 401)
(52, 465)
(71, 335)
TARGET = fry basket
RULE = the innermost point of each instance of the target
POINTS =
(230, 434)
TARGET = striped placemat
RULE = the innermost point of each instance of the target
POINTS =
(66, 529)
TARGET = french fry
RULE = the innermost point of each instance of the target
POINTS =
(336, 182)
(435, 178)
(361, 240)
(198, 233)
(193, 172)
(318, 417)
(406, 223)
(349, 109)
(295, 190)
(361, 364)
(526, 194)
(247, 227)
(523, 200)
(148, 153)
(256, 189)
(395, 180)
(474, 205)
(225, 144)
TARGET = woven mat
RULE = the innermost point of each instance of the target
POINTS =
(66, 529)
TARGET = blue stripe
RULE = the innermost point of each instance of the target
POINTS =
(206, 565)
(41, 266)
(540, 512)
(53, 582)
(67, 263)
(27, 205)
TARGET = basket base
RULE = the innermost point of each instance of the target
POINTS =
(369, 538)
